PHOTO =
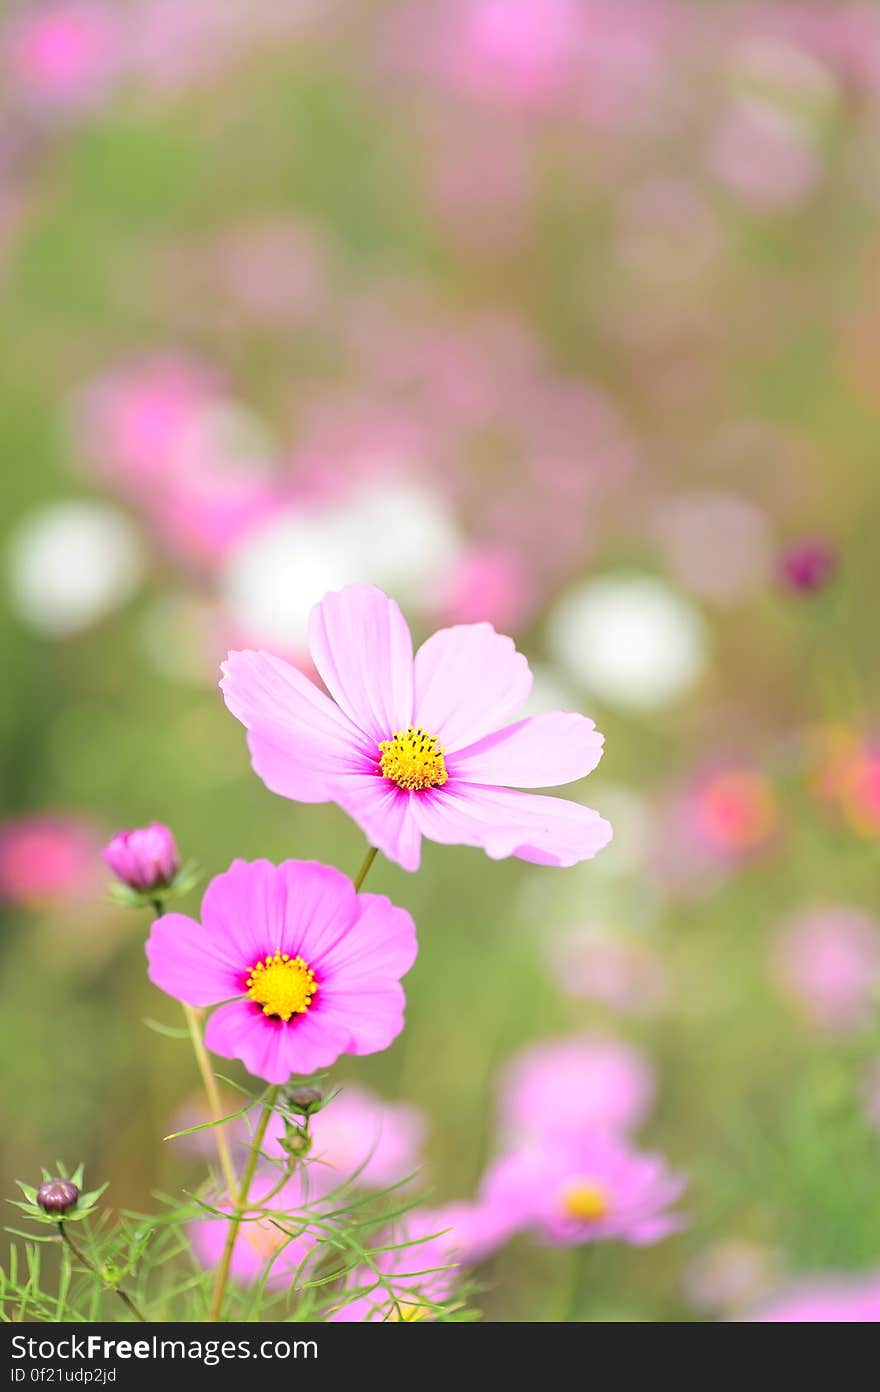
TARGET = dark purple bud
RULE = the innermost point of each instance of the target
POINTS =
(145, 859)
(57, 1196)
(807, 566)
(304, 1100)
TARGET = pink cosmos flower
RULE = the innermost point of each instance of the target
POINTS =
(47, 860)
(145, 859)
(411, 1279)
(259, 1240)
(828, 960)
(305, 968)
(358, 1133)
(65, 54)
(731, 811)
(826, 1300)
(414, 747)
(571, 1087)
(596, 1189)
(621, 972)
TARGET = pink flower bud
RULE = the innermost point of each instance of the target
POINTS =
(146, 859)
(808, 566)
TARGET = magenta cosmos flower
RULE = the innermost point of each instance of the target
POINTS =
(570, 1087)
(593, 1190)
(146, 859)
(301, 968)
(414, 747)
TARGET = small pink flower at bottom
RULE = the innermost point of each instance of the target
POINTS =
(828, 961)
(302, 968)
(359, 1135)
(596, 1190)
(260, 1240)
(831, 1299)
(409, 1282)
(569, 1087)
(414, 747)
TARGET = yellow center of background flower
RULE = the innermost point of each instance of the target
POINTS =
(282, 985)
(585, 1202)
(406, 1311)
(413, 760)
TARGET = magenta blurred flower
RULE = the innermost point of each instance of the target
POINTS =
(834, 1299)
(595, 1189)
(145, 859)
(64, 54)
(807, 566)
(488, 583)
(409, 1281)
(620, 972)
(417, 747)
(828, 960)
(46, 860)
(358, 1134)
(260, 1241)
(572, 1087)
(305, 968)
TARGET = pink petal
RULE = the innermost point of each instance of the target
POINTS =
(372, 1014)
(319, 907)
(361, 646)
(380, 944)
(469, 680)
(187, 963)
(384, 815)
(539, 752)
(298, 737)
(546, 830)
(243, 911)
(271, 1049)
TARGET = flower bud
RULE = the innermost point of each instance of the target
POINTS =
(145, 859)
(57, 1196)
(304, 1100)
(296, 1142)
(807, 566)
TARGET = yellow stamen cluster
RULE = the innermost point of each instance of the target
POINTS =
(413, 760)
(405, 1310)
(282, 985)
(585, 1202)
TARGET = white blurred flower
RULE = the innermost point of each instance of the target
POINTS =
(71, 564)
(629, 639)
(398, 536)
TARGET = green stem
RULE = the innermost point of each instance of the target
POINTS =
(365, 868)
(193, 1024)
(239, 1209)
(84, 1261)
(573, 1300)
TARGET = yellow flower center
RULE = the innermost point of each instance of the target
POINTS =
(413, 760)
(282, 985)
(585, 1202)
(405, 1310)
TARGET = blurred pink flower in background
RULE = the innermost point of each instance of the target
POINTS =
(828, 961)
(731, 812)
(765, 156)
(807, 565)
(359, 1136)
(406, 1282)
(592, 1189)
(615, 969)
(572, 1087)
(48, 859)
(832, 1299)
(259, 1239)
(64, 55)
(487, 583)
(847, 776)
(730, 1275)
(715, 543)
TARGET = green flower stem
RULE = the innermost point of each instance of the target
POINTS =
(90, 1266)
(239, 1209)
(365, 868)
(193, 1025)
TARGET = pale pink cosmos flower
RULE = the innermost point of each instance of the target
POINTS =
(417, 747)
(301, 968)
(360, 1136)
(260, 1240)
(47, 859)
(145, 859)
(572, 1087)
(828, 961)
(594, 1189)
(834, 1299)
(411, 1280)
(618, 971)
